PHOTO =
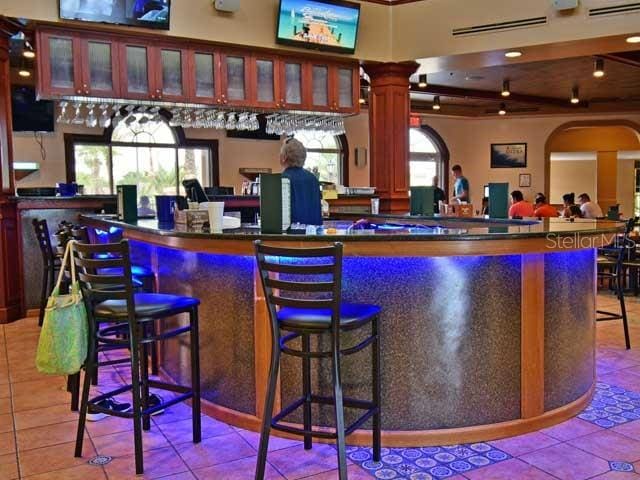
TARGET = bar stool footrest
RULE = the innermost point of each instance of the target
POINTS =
(606, 316)
(276, 421)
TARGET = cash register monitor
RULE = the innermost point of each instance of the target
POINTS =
(195, 192)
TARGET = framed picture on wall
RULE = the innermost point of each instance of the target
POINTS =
(508, 155)
(525, 179)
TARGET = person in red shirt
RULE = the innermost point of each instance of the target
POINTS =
(520, 208)
(542, 208)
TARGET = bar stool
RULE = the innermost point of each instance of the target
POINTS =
(610, 264)
(312, 306)
(119, 305)
(50, 261)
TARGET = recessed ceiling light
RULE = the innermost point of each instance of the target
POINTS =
(24, 73)
(503, 109)
(513, 54)
(634, 39)
(436, 103)
(29, 54)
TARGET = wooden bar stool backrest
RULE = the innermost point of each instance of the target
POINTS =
(44, 242)
(291, 278)
(96, 288)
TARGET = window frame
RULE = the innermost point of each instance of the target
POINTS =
(343, 157)
(442, 169)
(73, 139)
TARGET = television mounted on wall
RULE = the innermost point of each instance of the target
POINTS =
(137, 13)
(330, 25)
(29, 114)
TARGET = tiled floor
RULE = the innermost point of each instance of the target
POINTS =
(37, 431)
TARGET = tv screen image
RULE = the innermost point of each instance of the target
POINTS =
(323, 24)
(29, 114)
(141, 13)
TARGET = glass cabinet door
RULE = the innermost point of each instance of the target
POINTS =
(345, 100)
(137, 71)
(99, 63)
(265, 77)
(292, 85)
(204, 78)
(235, 79)
(171, 75)
(320, 87)
(60, 75)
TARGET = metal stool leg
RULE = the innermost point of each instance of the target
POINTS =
(375, 370)
(84, 402)
(339, 411)
(268, 411)
(73, 384)
(144, 382)
(195, 377)
(135, 393)
(43, 295)
(623, 313)
(306, 389)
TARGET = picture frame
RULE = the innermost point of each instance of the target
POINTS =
(509, 155)
(525, 180)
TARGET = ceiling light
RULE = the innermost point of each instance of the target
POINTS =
(422, 80)
(513, 54)
(634, 39)
(506, 90)
(436, 103)
(503, 109)
(598, 68)
(575, 95)
(24, 73)
(29, 54)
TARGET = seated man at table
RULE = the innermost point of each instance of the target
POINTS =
(588, 208)
(520, 208)
(542, 208)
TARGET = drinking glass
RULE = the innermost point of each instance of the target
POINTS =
(62, 118)
(92, 120)
(77, 119)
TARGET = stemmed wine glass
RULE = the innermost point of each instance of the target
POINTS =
(92, 120)
(77, 119)
(105, 120)
(62, 118)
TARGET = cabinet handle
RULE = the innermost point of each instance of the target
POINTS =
(153, 96)
(84, 85)
(219, 101)
(79, 92)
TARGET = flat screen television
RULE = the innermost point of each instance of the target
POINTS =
(138, 13)
(29, 114)
(330, 25)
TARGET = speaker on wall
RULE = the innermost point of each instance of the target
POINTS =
(227, 5)
(361, 157)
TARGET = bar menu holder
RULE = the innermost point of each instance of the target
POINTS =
(275, 203)
(127, 203)
(498, 200)
(422, 200)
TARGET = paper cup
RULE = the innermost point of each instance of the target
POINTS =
(216, 214)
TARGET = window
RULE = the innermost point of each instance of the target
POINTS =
(325, 155)
(146, 152)
(424, 159)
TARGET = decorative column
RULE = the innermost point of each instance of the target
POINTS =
(389, 108)
(10, 275)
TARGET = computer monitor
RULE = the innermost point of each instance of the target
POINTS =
(194, 191)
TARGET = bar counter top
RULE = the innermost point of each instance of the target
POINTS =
(395, 235)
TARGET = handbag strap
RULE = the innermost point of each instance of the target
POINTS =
(68, 257)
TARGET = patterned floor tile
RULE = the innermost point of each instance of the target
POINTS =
(611, 406)
(427, 462)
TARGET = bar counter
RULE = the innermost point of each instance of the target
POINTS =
(501, 341)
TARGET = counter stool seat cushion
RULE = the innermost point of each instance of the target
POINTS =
(352, 315)
(136, 270)
(148, 305)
